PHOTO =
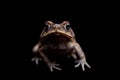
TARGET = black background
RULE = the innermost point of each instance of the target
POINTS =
(86, 28)
(88, 22)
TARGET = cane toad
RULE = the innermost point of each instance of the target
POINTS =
(58, 39)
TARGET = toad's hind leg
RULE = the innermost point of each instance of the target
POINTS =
(36, 59)
(35, 50)
(72, 54)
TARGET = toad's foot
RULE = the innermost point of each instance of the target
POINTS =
(53, 66)
(82, 62)
(36, 59)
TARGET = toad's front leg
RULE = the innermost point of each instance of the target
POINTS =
(50, 64)
(82, 60)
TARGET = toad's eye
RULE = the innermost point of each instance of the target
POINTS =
(65, 24)
(68, 27)
(49, 23)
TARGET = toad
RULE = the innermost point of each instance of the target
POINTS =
(58, 39)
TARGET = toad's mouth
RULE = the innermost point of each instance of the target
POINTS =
(57, 33)
(58, 36)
